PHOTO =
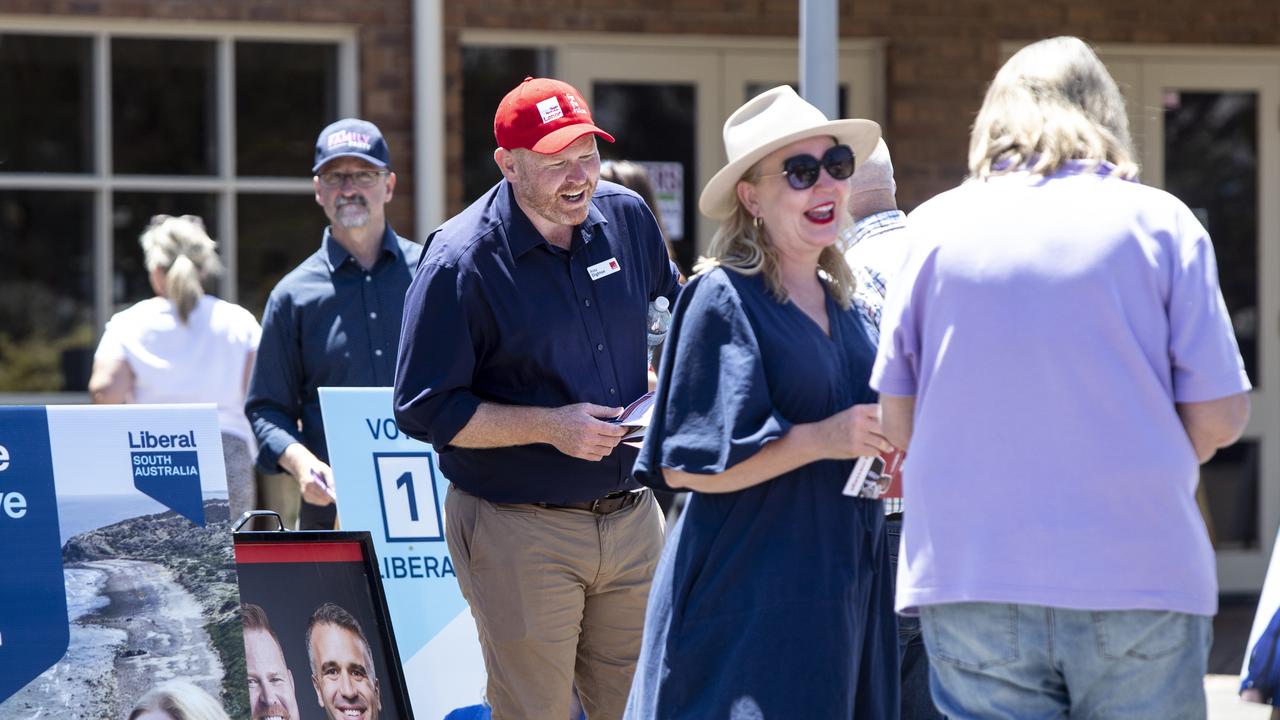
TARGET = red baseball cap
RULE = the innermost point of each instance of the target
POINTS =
(543, 115)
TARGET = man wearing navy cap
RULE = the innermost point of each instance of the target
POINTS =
(524, 336)
(334, 321)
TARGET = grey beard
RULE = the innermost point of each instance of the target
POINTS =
(349, 220)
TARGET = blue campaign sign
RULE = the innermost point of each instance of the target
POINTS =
(33, 605)
(390, 484)
(115, 529)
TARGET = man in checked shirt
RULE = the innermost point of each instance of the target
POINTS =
(876, 251)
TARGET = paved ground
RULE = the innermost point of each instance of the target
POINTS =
(1225, 704)
(1230, 635)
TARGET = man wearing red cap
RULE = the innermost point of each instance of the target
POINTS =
(524, 335)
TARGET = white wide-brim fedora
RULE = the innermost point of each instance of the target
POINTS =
(771, 120)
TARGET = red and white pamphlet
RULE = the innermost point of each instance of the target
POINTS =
(636, 418)
(877, 476)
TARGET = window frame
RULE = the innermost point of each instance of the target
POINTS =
(225, 185)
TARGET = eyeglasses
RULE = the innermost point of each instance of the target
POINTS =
(359, 178)
(802, 170)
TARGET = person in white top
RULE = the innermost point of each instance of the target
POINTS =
(183, 346)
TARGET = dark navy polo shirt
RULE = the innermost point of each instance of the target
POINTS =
(497, 314)
(328, 323)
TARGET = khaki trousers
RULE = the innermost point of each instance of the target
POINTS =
(558, 596)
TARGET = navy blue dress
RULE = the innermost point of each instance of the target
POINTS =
(774, 601)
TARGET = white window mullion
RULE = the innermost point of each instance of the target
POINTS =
(226, 76)
(348, 72)
(103, 250)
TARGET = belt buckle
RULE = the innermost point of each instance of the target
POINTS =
(595, 505)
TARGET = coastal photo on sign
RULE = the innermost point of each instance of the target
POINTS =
(144, 553)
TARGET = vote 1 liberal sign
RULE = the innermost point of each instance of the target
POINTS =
(390, 484)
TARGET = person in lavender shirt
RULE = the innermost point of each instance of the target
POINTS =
(1057, 359)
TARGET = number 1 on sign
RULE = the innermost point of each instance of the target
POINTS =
(406, 481)
(407, 489)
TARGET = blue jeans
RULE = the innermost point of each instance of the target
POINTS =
(1027, 662)
(913, 662)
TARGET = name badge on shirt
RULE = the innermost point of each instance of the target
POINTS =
(601, 269)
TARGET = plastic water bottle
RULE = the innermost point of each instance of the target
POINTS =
(657, 324)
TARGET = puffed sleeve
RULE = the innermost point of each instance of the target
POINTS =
(712, 408)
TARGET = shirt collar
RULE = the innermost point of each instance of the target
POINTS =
(876, 223)
(522, 236)
(336, 255)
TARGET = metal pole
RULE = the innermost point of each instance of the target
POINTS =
(428, 116)
(819, 29)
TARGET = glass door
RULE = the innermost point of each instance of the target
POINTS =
(1208, 134)
(662, 108)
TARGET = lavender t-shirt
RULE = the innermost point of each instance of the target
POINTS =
(1046, 328)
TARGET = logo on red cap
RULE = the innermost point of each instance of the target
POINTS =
(550, 109)
(543, 115)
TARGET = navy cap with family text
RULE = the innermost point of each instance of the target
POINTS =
(352, 137)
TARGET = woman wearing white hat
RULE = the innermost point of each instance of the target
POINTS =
(771, 598)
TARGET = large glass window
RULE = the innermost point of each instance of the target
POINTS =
(162, 107)
(276, 233)
(47, 331)
(284, 95)
(69, 253)
(49, 129)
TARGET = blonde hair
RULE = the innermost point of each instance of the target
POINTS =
(1052, 102)
(184, 251)
(739, 243)
(180, 700)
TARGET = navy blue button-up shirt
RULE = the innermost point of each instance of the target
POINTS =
(328, 323)
(498, 314)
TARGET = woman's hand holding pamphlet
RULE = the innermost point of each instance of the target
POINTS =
(876, 476)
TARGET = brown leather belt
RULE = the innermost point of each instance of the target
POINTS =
(611, 503)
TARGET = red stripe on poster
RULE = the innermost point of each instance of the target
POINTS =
(277, 552)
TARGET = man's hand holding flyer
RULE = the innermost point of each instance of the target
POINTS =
(636, 417)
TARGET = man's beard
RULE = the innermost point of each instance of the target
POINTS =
(549, 208)
(349, 218)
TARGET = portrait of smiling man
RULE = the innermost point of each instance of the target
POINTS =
(334, 321)
(524, 336)
(342, 669)
(271, 689)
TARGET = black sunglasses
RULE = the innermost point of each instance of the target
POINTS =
(802, 170)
